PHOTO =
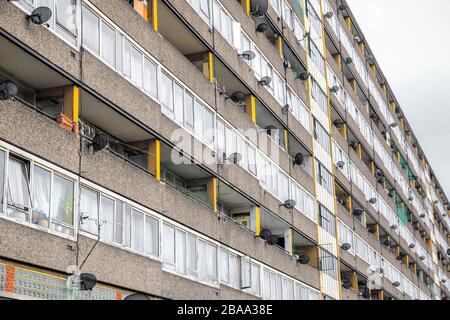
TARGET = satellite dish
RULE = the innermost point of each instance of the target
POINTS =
(394, 227)
(303, 259)
(99, 142)
(448, 251)
(340, 164)
(411, 245)
(269, 129)
(334, 89)
(87, 281)
(338, 122)
(422, 215)
(357, 212)
(353, 144)
(258, 8)
(348, 60)
(262, 27)
(422, 258)
(289, 204)
(265, 81)
(304, 75)
(248, 55)
(40, 15)
(373, 200)
(237, 97)
(235, 158)
(265, 234)
(8, 89)
(137, 296)
(346, 246)
(328, 15)
(386, 242)
(298, 160)
(396, 284)
(346, 284)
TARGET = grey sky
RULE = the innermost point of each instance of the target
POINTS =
(411, 41)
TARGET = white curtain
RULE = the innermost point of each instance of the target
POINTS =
(191, 255)
(136, 66)
(211, 262)
(89, 208)
(18, 192)
(233, 271)
(2, 178)
(107, 43)
(90, 30)
(118, 222)
(168, 242)
(180, 252)
(150, 83)
(137, 230)
(202, 264)
(224, 267)
(62, 200)
(107, 218)
(41, 196)
(151, 245)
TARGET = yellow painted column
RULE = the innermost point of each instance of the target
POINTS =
(377, 232)
(257, 221)
(286, 141)
(344, 131)
(211, 189)
(280, 46)
(384, 88)
(154, 158)
(246, 6)
(393, 106)
(373, 67)
(373, 168)
(337, 59)
(355, 282)
(362, 46)
(353, 83)
(250, 107)
(71, 108)
(208, 66)
(349, 23)
(407, 261)
(381, 295)
(154, 20)
(359, 151)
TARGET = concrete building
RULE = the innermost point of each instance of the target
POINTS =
(208, 149)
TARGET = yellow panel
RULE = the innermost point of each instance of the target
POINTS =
(250, 107)
(154, 158)
(280, 46)
(141, 8)
(212, 192)
(246, 5)
(155, 15)
(258, 221)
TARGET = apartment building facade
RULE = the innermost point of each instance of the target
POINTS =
(209, 149)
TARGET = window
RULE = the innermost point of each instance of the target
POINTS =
(41, 197)
(18, 189)
(327, 220)
(126, 58)
(189, 112)
(324, 177)
(2, 178)
(321, 136)
(178, 103)
(119, 48)
(66, 15)
(207, 259)
(228, 268)
(208, 127)
(198, 119)
(180, 250)
(107, 43)
(137, 230)
(191, 255)
(90, 30)
(166, 92)
(107, 218)
(62, 205)
(136, 67)
(168, 241)
(151, 236)
(89, 210)
(150, 82)
(119, 223)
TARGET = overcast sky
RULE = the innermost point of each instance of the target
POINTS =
(411, 41)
